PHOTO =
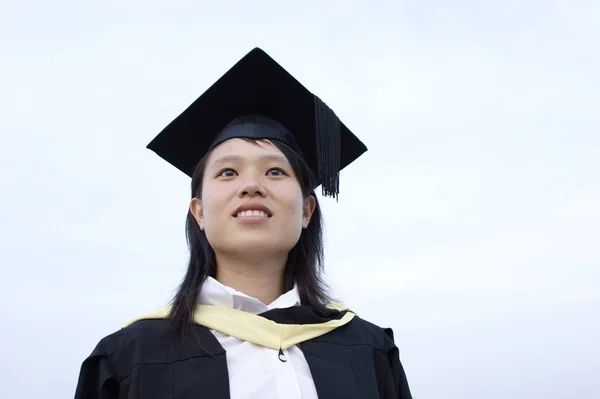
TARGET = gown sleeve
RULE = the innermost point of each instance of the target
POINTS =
(391, 378)
(97, 377)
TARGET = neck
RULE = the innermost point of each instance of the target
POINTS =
(263, 280)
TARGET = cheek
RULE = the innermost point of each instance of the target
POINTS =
(214, 222)
(212, 212)
(296, 210)
(212, 206)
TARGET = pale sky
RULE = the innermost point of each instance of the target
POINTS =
(471, 226)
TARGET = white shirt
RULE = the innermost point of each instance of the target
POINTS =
(256, 371)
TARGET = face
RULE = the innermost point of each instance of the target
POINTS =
(251, 201)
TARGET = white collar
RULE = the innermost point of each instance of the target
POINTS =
(217, 294)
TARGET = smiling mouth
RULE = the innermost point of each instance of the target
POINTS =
(252, 213)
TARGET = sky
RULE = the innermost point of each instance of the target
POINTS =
(471, 226)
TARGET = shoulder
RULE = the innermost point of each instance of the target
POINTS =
(360, 331)
(139, 342)
(378, 335)
(147, 340)
(138, 333)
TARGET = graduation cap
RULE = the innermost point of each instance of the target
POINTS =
(275, 106)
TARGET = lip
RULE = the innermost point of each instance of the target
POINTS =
(252, 207)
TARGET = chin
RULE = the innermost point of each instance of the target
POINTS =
(259, 243)
(262, 243)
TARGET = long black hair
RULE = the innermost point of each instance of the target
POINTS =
(304, 263)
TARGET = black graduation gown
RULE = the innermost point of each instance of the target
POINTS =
(356, 361)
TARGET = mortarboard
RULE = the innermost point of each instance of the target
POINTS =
(258, 86)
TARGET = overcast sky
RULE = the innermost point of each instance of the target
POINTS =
(471, 226)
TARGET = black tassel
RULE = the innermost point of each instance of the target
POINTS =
(328, 128)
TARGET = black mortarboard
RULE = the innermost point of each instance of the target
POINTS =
(257, 85)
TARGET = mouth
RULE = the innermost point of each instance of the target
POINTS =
(252, 213)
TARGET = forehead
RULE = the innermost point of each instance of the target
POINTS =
(241, 148)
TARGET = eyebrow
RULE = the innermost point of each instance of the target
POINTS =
(236, 158)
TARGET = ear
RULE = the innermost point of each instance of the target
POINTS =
(310, 204)
(197, 212)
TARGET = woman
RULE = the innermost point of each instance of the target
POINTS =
(252, 318)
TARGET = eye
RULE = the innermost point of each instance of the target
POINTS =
(276, 172)
(227, 172)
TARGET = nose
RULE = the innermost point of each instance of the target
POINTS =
(252, 188)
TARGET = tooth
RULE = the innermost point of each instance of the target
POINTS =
(252, 213)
